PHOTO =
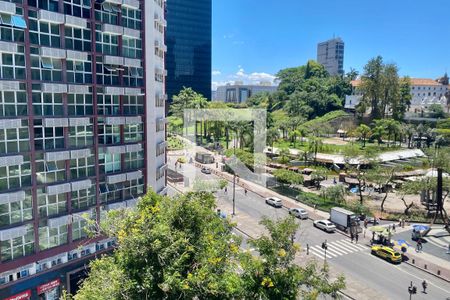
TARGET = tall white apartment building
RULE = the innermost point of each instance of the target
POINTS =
(331, 55)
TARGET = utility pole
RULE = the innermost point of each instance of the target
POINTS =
(411, 290)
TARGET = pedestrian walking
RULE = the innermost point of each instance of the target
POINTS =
(424, 286)
(419, 245)
(365, 223)
(315, 205)
(400, 222)
(226, 189)
(307, 249)
(245, 191)
(352, 237)
(356, 238)
(393, 227)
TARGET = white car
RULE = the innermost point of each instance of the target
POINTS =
(274, 201)
(325, 225)
(298, 212)
(206, 170)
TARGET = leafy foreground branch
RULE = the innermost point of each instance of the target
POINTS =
(180, 249)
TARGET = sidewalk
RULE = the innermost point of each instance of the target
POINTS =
(429, 263)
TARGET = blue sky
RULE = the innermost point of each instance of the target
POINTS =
(252, 40)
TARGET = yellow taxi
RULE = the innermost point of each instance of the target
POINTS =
(387, 253)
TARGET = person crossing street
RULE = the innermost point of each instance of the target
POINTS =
(424, 286)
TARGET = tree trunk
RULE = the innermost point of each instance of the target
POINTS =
(361, 199)
(227, 137)
(384, 200)
(408, 206)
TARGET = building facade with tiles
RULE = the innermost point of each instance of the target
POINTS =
(82, 131)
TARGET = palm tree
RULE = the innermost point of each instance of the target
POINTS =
(199, 102)
(363, 131)
(392, 128)
(409, 131)
(293, 135)
(420, 133)
(272, 136)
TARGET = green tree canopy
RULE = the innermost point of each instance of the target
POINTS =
(309, 91)
(284, 176)
(186, 99)
(181, 249)
(383, 90)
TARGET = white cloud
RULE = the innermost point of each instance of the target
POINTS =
(216, 73)
(253, 78)
(216, 84)
(246, 78)
(261, 77)
(241, 73)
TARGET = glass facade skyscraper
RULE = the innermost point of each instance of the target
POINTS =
(188, 38)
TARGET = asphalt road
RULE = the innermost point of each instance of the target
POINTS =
(355, 260)
(436, 245)
(388, 279)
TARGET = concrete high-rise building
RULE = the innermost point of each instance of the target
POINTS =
(188, 37)
(331, 55)
(239, 92)
(82, 131)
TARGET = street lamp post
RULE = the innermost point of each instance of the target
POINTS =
(411, 290)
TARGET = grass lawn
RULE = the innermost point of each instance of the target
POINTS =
(309, 199)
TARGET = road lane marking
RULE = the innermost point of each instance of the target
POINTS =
(320, 250)
(334, 251)
(361, 247)
(346, 246)
(319, 255)
(337, 248)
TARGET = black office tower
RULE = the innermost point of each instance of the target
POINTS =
(188, 38)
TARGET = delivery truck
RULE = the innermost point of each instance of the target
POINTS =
(345, 219)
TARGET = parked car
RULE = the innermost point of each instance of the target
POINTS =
(369, 220)
(206, 170)
(298, 212)
(387, 253)
(325, 225)
(274, 201)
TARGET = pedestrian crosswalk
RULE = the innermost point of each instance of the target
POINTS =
(336, 248)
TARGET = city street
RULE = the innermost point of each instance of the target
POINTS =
(351, 259)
